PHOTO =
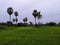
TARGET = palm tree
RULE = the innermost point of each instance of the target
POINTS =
(16, 14)
(10, 12)
(13, 20)
(39, 17)
(35, 15)
(25, 20)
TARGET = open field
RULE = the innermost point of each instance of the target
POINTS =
(45, 35)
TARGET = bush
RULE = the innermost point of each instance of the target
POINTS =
(51, 24)
(9, 23)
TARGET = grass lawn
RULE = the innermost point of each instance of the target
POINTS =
(45, 35)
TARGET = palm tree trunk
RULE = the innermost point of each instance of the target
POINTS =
(16, 21)
(35, 21)
(38, 22)
(10, 18)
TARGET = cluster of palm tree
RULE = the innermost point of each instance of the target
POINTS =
(10, 12)
(37, 15)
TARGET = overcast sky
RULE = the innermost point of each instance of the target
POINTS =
(50, 9)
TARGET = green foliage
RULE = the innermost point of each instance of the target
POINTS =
(45, 35)
(2, 27)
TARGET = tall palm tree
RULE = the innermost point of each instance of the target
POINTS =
(39, 17)
(35, 15)
(16, 14)
(10, 12)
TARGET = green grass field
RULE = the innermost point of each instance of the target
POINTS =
(45, 35)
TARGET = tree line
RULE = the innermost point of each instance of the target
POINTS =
(36, 14)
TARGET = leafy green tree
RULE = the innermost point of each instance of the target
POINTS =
(10, 12)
